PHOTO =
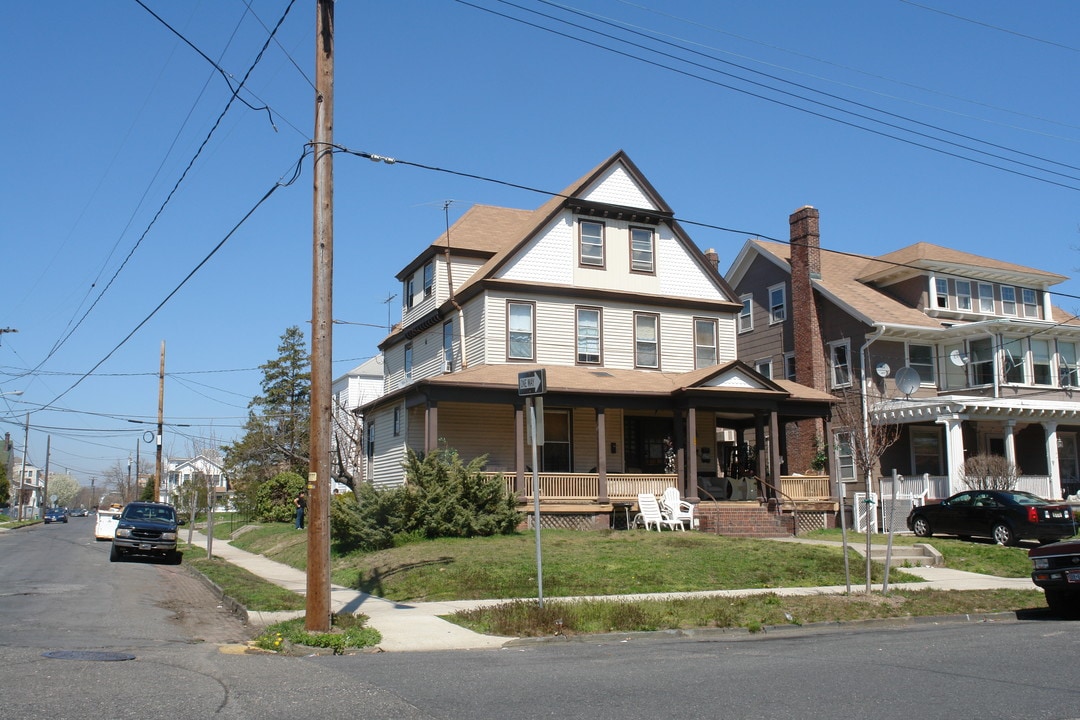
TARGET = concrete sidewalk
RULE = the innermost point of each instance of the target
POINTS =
(417, 626)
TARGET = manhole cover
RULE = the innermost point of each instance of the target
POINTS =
(97, 655)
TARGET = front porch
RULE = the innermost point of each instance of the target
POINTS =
(586, 501)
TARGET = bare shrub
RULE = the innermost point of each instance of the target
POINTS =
(989, 472)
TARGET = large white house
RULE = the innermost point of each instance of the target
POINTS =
(633, 325)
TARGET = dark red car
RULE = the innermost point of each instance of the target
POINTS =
(1056, 569)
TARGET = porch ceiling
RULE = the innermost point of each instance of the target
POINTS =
(902, 411)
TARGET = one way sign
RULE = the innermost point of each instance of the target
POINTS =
(533, 382)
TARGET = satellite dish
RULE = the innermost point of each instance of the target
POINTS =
(907, 380)
(958, 358)
(882, 369)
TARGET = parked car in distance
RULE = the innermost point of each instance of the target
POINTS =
(146, 528)
(55, 515)
(79, 512)
(1056, 569)
(1006, 516)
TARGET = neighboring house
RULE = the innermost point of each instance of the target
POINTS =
(27, 483)
(967, 354)
(635, 329)
(360, 385)
(202, 468)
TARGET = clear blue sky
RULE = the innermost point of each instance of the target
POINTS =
(725, 106)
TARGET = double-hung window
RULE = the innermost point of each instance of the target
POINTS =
(591, 243)
(407, 289)
(397, 420)
(941, 291)
(840, 356)
(429, 278)
(704, 342)
(1068, 376)
(981, 352)
(963, 295)
(1040, 362)
(1031, 303)
(646, 340)
(921, 359)
(777, 304)
(986, 298)
(845, 457)
(588, 336)
(520, 330)
(642, 252)
(789, 366)
(408, 362)
(764, 367)
(746, 314)
(448, 346)
(1008, 300)
(1013, 360)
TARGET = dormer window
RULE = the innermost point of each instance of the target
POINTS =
(1031, 303)
(429, 278)
(591, 243)
(407, 289)
(963, 295)
(986, 298)
(941, 290)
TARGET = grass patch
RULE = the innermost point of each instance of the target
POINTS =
(527, 619)
(248, 589)
(346, 632)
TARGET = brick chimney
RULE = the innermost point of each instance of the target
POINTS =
(714, 259)
(810, 367)
(805, 267)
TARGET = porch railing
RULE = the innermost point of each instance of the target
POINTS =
(936, 487)
(585, 487)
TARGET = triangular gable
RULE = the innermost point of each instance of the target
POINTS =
(736, 378)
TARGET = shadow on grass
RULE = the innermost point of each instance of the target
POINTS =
(373, 583)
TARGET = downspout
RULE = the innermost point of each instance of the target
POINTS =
(450, 282)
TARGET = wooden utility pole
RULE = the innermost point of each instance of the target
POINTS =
(160, 427)
(317, 617)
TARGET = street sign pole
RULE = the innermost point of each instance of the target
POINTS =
(536, 502)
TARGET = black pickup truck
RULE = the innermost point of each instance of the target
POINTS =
(146, 528)
(1056, 569)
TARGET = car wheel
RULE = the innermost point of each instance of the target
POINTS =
(174, 558)
(921, 527)
(1003, 534)
(115, 555)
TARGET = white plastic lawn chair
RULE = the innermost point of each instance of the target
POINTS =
(677, 508)
(650, 514)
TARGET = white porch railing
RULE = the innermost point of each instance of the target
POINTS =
(936, 487)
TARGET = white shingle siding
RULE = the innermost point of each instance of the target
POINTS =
(616, 187)
(550, 257)
(678, 274)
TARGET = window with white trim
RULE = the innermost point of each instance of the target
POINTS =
(764, 367)
(1012, 350)
(926, 455)
(921, 360)
(408, 361)
(1008, 300)
(429, 278)
(588, 335)
(641, 250)
(845, 457)
(591, 243)
(397, 421)
(1031, 302)
(789, 366)
(519, 330)
(986, 298)
(1040, 362)
(646, 340)
(448, 345)
(941, 291)
(746, 314)
(705, 352)
(840, 359)
(963, 295)
(981, 353)
(1068, 376)
(407, 290)
(777, 304)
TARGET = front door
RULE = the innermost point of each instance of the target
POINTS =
(1068, 463)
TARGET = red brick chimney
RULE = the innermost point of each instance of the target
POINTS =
(810, 367)
(805, 267)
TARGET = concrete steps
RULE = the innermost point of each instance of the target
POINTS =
(917, 555)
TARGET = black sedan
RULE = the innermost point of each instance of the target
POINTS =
(55, 515)
(1007, 516)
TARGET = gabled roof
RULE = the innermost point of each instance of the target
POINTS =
(483, 231)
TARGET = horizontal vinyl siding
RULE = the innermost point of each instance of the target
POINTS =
(389, 450)
(475, 322)
(583, 427)
(475, 430)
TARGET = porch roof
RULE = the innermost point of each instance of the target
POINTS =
(904, 411)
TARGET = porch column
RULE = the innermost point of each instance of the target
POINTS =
(759, 449)
(431, 427)
(601, 456)
(954, 449)
(1010, 442)
(519, 450)
(1052, 464)
(690, 490)
(774, 453)
(680, 450)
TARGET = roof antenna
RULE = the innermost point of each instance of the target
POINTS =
(389, 316)
(450, 282)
